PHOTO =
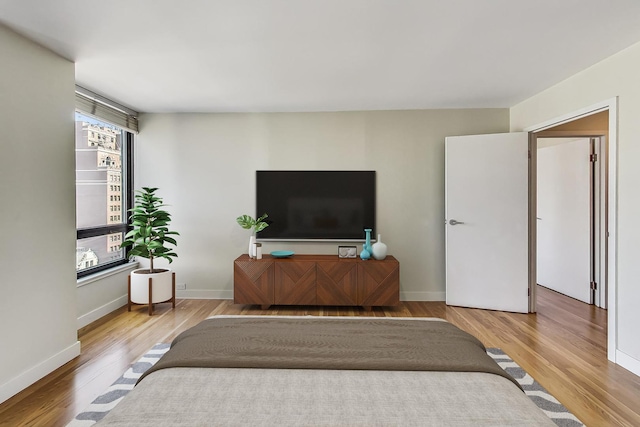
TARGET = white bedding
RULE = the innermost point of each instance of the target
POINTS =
(288, 397)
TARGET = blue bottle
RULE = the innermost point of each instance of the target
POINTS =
(367, 245)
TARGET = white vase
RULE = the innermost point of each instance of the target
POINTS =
(252, 246)
(379, 249)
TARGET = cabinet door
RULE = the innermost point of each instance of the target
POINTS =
(337, 283)
(295, 282)
(378, 283)
(253, 282)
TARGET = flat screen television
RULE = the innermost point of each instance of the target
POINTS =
(316, 205)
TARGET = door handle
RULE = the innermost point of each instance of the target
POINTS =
(454, 222)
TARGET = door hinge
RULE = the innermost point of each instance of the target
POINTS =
(528, 292)
(594, 286)
(593, 157)
(529, 154)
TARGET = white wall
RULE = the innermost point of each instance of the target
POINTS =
(204, 165)
(101, 294)
(37, 213)
(615, 76)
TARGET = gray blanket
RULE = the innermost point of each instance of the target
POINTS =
(328, 343)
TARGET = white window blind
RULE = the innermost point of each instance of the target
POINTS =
(97, 106)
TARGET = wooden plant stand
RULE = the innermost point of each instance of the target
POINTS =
(172, 299)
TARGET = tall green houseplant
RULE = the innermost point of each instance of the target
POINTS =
(150, 234)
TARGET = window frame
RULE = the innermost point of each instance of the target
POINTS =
(83, 233)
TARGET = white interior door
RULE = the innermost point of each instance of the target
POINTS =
(487, 221)
(564, 216)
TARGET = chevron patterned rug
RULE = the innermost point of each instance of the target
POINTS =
(110, 398)
(541, 397)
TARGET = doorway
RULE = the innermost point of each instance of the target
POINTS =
(568, 125)
(571, 219)
(608, 253)
(564, 217)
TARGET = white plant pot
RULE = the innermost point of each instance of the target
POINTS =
(161, 282)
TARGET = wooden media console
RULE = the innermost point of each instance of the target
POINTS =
(316, 280)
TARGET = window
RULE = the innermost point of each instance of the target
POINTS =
(99, 217)
(104, 155)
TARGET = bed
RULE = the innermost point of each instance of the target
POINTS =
(325, 371)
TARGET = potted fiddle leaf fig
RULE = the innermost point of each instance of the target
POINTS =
(256, 225)
(149, 239)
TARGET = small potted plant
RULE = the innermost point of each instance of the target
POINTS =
(257, 225)
(149, 239)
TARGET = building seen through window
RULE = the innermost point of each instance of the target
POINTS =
(100, 173)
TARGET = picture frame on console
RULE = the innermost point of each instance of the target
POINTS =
(347, 251)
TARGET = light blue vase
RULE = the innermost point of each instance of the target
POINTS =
(365, 254)
(367, 244)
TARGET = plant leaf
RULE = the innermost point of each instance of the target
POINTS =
(261, 226)
(245, 221)
(170, 240)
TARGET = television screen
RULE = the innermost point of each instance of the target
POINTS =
(316, 205)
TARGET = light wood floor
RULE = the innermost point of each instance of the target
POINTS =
(563, 346)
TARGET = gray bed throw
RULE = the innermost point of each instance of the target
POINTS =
(328, 343)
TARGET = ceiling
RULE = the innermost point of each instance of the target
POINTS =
(324, 55)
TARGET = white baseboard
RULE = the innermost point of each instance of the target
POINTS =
(204, 294)
(39, 371)
(94, 315)
(628, 362)
(220, 294)
(422, 296)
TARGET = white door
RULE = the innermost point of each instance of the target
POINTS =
(487, 221)
(564, 249)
